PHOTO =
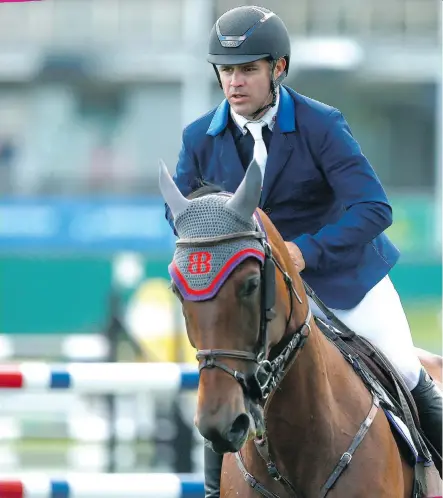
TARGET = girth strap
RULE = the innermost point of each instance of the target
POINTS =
(347, 455)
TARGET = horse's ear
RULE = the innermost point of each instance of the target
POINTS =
(171, 194)
(246, 198)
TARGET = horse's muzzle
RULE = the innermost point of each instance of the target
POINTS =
(225, 439)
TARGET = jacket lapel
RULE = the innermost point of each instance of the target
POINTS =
(229, 160)
(280, 151)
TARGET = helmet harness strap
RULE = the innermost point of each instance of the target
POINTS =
(273, 92)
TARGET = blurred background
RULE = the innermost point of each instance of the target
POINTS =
(92, 93)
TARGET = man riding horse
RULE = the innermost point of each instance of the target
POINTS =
(319, 190)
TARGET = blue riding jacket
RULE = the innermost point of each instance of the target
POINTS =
(319, 190)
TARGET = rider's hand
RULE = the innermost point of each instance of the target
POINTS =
(296, 256)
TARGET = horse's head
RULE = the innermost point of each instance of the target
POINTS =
(223, 272)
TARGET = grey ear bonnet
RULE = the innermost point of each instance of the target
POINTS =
(200, 271)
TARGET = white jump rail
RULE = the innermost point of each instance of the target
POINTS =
(89, 485)
(99, 378)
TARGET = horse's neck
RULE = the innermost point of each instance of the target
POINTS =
(309, 419)
(319, 405)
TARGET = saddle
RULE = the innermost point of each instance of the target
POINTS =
(381, 377)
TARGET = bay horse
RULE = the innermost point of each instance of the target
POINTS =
(275, 396)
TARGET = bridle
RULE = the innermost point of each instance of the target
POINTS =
(269, 372)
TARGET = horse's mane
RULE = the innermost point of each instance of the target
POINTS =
(205, 188)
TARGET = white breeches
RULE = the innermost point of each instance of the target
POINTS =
(380, 318)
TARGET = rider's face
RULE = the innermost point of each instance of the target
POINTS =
(247, 86)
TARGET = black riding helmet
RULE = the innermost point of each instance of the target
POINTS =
(246, 34)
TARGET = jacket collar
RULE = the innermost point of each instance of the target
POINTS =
(285, 115)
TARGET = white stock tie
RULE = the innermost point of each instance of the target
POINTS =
(260, 152)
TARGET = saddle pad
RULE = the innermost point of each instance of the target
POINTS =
(426, 472)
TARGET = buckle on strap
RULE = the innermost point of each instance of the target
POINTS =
(345, 460)
(251, 480)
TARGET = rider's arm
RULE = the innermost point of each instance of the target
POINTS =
(186, 175)
(367, 211)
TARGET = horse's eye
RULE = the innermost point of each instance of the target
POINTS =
(250, 286)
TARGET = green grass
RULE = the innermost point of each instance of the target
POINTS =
(425, 320)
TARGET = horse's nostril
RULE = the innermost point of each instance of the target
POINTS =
(239, 428)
